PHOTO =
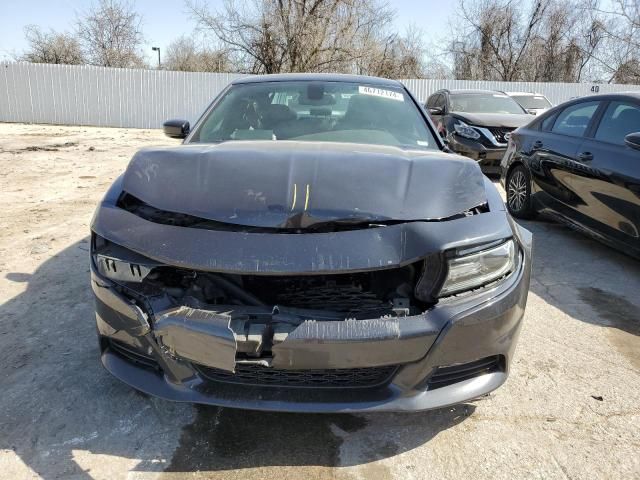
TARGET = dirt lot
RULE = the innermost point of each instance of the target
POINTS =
(571, 408)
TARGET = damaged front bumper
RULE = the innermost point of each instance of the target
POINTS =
(489, 158)
(458, 350)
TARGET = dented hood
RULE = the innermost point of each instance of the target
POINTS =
(298, 184)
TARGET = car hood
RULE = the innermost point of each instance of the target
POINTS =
(505, 120)
(289, 184)
(537, 111)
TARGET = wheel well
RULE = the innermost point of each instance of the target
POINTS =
(511, 167)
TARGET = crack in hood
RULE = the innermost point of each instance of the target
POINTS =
(288, 184)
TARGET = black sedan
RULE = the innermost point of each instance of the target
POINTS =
(580, 162)
(310, 247)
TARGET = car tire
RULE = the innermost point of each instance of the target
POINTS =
(518, 188)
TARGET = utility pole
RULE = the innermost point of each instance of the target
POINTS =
(157, 49)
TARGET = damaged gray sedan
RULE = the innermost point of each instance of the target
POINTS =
(312, 246)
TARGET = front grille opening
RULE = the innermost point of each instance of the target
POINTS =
(500, 133)
(259, 375)
(358, 295)
(445, 376)
(369, 294)
(131, 354)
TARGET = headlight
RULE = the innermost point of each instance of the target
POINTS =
(465, 130)
(472, 268)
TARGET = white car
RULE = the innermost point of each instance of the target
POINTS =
(534, 103)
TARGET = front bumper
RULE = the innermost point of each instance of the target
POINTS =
(457, 331)
(489, 158)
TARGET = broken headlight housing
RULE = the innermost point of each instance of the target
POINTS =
(118, 263)
(474, 267)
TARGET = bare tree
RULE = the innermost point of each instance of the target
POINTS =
(590, 41)
(628, 72)
(436, 62)
(620, 23)
(395, 56)
(271, 36)
(563, 46)
(184, 54)
(547, 41)
(51, 47)
(111, 35)
(496, 34)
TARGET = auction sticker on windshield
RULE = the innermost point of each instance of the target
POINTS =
(379, 92)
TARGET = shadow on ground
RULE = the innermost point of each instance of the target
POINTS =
(588, 281)
(571, 270)
(227, 439)
(59, 409)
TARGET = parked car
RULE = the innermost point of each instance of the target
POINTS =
(580, 162)
(477, 123)
(311, 247)
(533, 103)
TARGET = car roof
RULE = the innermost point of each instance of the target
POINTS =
(611, 95)
(600, 97)
(631, 95)
(326, 77)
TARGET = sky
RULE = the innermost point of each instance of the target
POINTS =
(164, 20)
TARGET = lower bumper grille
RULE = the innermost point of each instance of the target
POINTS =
(131, 354)
(445, 376)
(258, 375)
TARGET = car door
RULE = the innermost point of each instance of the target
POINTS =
(611, 190)
(553, 158)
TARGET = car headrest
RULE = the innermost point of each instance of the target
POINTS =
(276, 113)
(629, 117)
(577, 120)
(357, 108)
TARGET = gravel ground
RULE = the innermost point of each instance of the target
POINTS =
(571, 408)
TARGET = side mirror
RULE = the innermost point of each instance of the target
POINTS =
(436, 110)
(176, 128)
(633, 140)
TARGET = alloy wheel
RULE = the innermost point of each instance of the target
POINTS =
(517, 191)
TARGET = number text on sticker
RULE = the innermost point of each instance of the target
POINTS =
(379, 92)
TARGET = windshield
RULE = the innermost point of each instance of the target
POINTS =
(316, 111)
(532, 101)
(484, 103)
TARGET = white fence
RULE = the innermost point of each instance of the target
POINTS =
(113, 97)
